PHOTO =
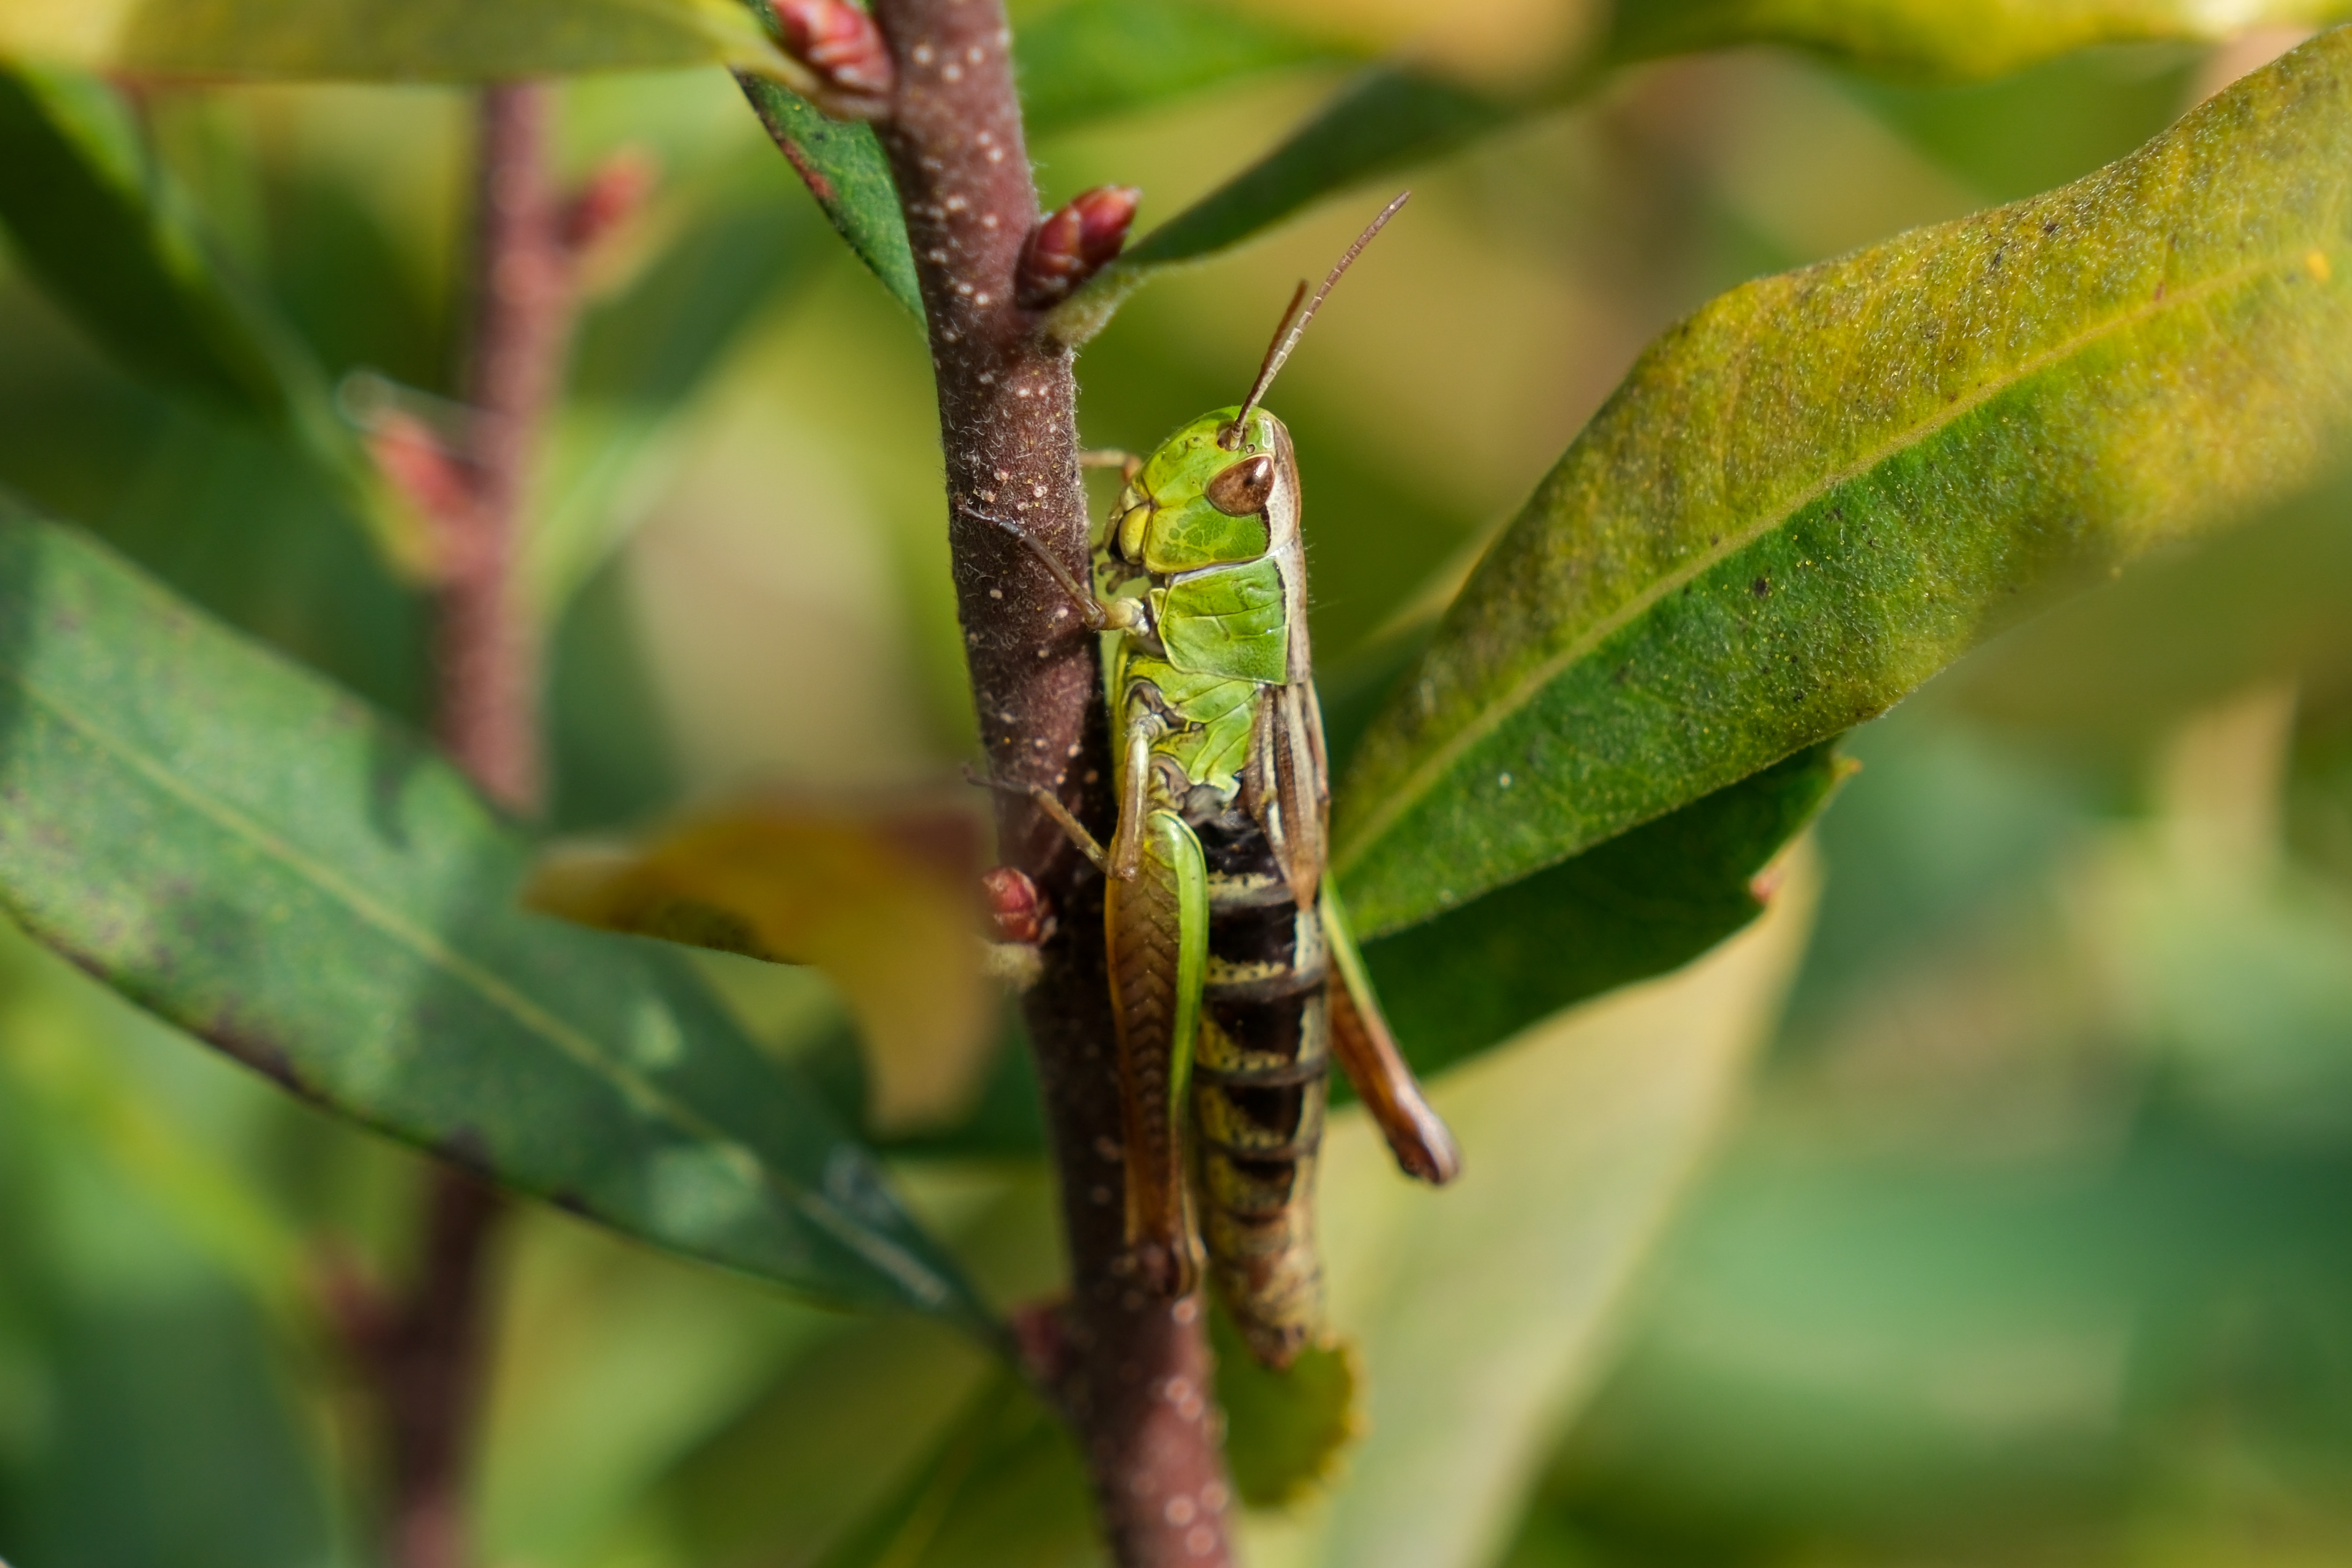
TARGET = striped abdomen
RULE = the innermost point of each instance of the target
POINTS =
(1258, 1087)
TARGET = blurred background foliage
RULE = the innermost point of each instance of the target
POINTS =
(2031, 1243)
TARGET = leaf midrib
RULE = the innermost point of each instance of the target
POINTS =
(1422, 779)
(534, 1019)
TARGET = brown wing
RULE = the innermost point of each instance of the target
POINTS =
(1285, 785)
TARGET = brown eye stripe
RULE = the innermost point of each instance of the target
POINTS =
(1241, 489)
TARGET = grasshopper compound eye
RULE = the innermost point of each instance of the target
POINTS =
(1241, 489)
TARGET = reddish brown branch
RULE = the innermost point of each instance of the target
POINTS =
(522, 315)
(1132, 1375)
(425, 1355)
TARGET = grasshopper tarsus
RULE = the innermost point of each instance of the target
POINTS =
(1128, 464)
(1164, 1269)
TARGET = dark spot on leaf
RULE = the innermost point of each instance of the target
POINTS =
(569, 1201)
(811, 175)
(1761, 587)
(2050, 228)
(468, 1148)
(267, 1057)
(1623, 673)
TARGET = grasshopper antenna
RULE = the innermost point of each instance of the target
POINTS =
(1293, 324)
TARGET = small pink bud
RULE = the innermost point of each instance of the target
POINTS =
(428, 475)
(1017, 909)
(1074, 244)
(841, 44)
(608, 198)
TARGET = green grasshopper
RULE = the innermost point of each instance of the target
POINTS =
(1234, 981)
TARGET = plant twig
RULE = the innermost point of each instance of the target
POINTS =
(522, 319)
(1130, 1372)
(425, 1353)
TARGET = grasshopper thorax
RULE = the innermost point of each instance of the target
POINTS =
(1211, 495)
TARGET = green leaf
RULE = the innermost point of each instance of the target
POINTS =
(229, 843)
(382, 40)
(1482, 1311)
(1942, 39)
(1284, 1431)
(1643, 903)
(1092, 60)
(118, 246)
(1389, 119)
(842, 167)
(1826, 486)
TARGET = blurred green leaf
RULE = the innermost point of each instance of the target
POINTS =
(382, 40)
(1284, 1431)
(1942, 39)
(1637, 905)
(61, 1057)
(1389, 119)
(113, 241)
(818, 1450)
(1004, 1490)
(1092, 60)
(143, 1412)
(1481, 1310)
(231, 844)
(842, 167)
(1812, 495)
(117, 244)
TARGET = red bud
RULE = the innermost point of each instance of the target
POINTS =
(1074, 244)
(1016, 908)
(608, 198)
(841, 44)
(421, 468)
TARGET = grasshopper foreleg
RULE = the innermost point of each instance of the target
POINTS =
(1126, 852)
(1115, 615)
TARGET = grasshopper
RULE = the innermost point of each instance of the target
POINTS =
(1234, 981)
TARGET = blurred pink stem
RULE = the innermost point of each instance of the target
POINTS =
(426, 1355)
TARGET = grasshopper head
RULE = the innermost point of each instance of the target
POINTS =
(1211, 495)
(1224, 488)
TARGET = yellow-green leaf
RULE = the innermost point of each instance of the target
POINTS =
(382, 40)
(1826, 486)
(1284, 1431)
(883, 900)
(1943, 38)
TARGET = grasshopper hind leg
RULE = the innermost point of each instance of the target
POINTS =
(1157, 924)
